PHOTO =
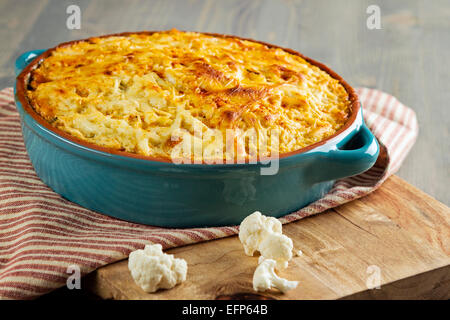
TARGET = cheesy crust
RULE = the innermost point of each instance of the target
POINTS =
(150, 93)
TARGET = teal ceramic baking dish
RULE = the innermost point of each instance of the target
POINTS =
(187, 195)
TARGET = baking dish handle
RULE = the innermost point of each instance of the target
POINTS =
(25, 58)
(354, 157)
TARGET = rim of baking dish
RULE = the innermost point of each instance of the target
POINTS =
(23, 78)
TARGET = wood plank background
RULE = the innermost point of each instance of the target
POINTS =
(408, 57)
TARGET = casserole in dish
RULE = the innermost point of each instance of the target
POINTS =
(102, 171)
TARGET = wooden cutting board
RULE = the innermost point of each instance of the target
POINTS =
(397, 234)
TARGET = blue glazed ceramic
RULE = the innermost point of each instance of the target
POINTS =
(190, 195)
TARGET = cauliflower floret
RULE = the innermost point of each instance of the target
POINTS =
(153, 269)
(254, 228)
(262, 234)
(265, 278)
(278, 247)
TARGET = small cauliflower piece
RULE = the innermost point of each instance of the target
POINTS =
(278, 247)
(262, 234)
(265, 278)
(254, 228)
(153, 269)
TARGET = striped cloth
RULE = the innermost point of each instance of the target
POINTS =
(41, 234)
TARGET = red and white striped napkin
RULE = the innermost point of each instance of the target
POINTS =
(41, 234)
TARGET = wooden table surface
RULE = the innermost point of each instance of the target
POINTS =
(408, 57)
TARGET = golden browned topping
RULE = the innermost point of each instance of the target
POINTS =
(146, 94)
